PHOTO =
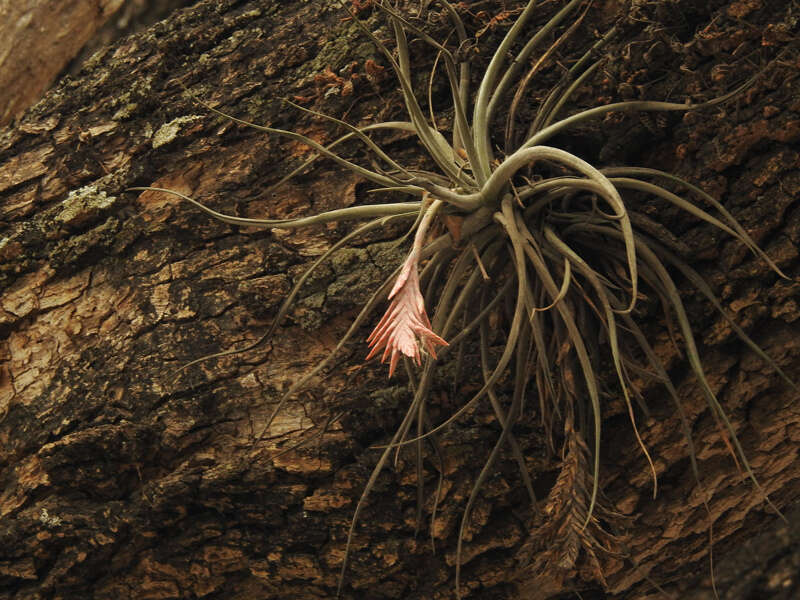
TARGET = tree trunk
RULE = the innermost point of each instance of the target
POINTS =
(124, 476)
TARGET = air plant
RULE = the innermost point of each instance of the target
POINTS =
(540, 230)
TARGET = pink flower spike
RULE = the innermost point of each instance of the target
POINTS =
(405, 324)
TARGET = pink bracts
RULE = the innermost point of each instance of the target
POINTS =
(405, 324)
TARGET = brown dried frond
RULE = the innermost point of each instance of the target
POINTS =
(559, 546)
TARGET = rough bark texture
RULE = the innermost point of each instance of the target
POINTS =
(40, 38)
(47, 35)
(123, 478)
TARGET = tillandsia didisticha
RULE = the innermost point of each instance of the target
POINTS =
(544, 238)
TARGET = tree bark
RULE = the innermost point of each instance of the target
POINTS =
(47, 35)
(40, 40)
(124, 476)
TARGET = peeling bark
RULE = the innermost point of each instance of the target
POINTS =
(123, 476)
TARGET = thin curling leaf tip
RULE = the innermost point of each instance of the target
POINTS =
(405, 325)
